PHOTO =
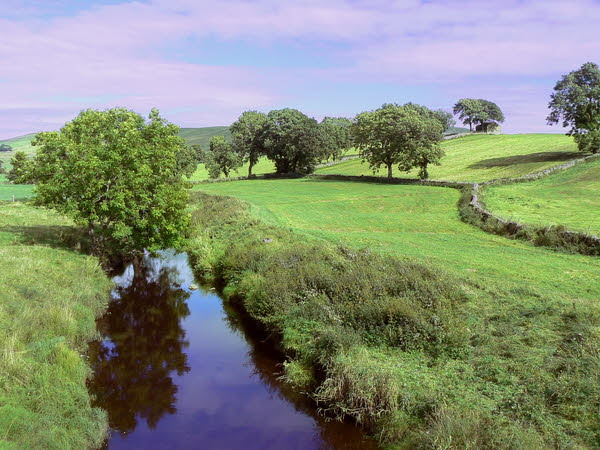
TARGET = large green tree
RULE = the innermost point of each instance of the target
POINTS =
(576, 101)
(221, 158)
(246, 133)
(117, 175)
(292, 141)
(405, 136)
(478, 112)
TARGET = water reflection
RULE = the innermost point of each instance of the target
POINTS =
(134, 367)
(155, 331)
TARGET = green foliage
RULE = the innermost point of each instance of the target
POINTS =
(221, 158)
(292, 141)
(187, 158)
(5, 148)
(246, 133)
(337, 136)
(576, 101)
(22, 169)
(478, 111)
(50, 298)
(117, 175)
(445, 118)
(407, 136)
(2, 169)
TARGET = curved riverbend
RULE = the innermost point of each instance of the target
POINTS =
(179, 369)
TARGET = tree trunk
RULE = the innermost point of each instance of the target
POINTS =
(250, 170)
(471, 127)
(389, 167)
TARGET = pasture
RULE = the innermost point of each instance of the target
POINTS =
(570, 198)
(484, 157)
(523, 306)
(413, 221)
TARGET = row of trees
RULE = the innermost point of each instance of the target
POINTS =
(405, 136)
(294, 142)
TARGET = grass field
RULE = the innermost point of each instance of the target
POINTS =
(485, 157)
(570, 198)
(21, 143)
(19, 191)
(531, 375)
(414, 221)
(50, 296)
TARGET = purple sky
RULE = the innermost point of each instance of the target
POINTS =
(202, 63)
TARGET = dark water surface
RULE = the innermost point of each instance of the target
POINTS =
(178, 369)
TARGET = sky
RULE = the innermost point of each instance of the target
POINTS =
(202, 63)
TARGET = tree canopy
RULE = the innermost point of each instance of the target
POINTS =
(576, 101)
(478, 112)
(117, 175)
(292, 141)
(337, 136)
(5, 148)
(405, 136)
(221, 158)
(247, 140)
(22, 169)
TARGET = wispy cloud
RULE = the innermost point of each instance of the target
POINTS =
(100, 54)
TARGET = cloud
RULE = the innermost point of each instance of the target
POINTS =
(57, 64)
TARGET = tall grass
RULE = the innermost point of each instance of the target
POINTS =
(420, 357)
(50, 296)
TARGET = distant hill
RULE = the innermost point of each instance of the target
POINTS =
(202, 136)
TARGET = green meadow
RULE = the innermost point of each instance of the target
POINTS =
(413, 221)
(527, 379)
(570, 198)
(484, 157)
(50, 297)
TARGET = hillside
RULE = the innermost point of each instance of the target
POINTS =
(202, 136)
(484, 157)
(570, 198)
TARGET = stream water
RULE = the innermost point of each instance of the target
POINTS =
(180, 369)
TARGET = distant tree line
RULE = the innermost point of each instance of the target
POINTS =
(405, 136)
(5, 148)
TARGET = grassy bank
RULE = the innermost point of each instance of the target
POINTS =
(50, 297)
(485, 157)
(570, 198)
(424, 356)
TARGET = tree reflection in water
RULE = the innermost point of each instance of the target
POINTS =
(142, 347)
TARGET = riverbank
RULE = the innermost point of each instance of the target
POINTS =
(417, 355)
(50, 296)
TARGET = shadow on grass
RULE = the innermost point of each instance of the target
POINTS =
(538, 157)
(55, 236)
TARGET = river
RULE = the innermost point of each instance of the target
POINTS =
(180, 369)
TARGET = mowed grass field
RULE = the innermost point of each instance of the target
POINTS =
(570, 198)
(484, 157)
(414, 221)
(19, 191)
(50, 296)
